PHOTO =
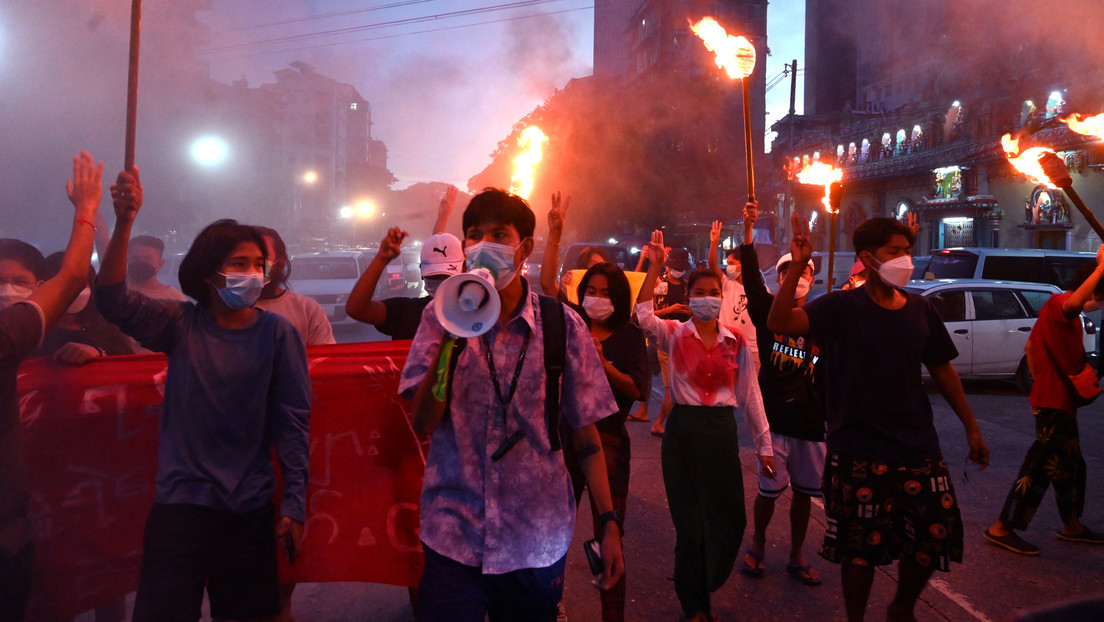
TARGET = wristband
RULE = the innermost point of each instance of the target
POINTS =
(607, 517)
(86, 221)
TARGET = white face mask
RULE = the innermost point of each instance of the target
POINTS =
(498, 258)
(802, 289)
(81, 301)
(676, 274)
(11, 294)
(733, 271)
(897, 271)
(705, 308)
(597, 308)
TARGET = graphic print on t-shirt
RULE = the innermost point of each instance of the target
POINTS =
(788, 354)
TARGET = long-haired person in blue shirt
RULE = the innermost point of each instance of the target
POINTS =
(237, 385)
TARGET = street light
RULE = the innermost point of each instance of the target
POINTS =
(310, 177)
(210, 151)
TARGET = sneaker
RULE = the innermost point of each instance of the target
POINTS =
(1013, 543)
(1085, 535)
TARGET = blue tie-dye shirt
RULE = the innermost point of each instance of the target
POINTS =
(518, 512)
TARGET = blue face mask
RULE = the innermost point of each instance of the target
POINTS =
(242, 289)
(705, 308)
(498, 258)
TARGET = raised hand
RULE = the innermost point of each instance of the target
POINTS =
(558, 214)
(86, 186)
(126, 195)
(751, 212)
(715, 233)
(448, 202)
(913, 223)
(657, 254)
(391, 243)
(800, 248)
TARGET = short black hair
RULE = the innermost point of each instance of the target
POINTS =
(875, 233)
(25, 255)
(733, 252)
(701, 273)
(1082, 274)
(209, 249)
(281, 254)
(620, 292)
(494, 205)
(148, 241)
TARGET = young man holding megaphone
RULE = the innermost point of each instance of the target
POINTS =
(497, 508)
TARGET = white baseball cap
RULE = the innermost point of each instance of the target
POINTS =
(442, 254)
(787, 258)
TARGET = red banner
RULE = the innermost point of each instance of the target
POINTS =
(90, 439)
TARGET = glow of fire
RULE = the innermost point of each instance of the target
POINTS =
(736, 55)
(1089, 126)
(1028, 161)
(821, 174)
(530, 142)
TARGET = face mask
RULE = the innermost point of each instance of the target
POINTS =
(242, 290)
(705, 308)
(498, 258)
(896, 272)
(141, 271)
(733, 271)
(802, 289)
(431, 285)
(676, 274)
(81, 301)
(598, 308)
(11, 294)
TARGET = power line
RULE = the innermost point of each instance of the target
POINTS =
(392, 36)
(310, 18)
(396, 22)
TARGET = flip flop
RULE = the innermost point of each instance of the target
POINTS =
(640, 418)
(803, 574)
(1012, 542)
(753, 565)
(1086, 535)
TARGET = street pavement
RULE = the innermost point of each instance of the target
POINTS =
(991, 585)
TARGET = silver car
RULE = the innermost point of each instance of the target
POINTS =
(329, 277)
(990, 322)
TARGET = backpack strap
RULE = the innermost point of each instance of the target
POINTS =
(555, 352)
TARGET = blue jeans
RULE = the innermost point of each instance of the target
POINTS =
(453, 592)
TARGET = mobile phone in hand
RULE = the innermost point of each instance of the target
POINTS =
(593, 550)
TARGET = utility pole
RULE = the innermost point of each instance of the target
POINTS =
(791, 197)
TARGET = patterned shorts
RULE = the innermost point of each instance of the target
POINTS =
(880, 511)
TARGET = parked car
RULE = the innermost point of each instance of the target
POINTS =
(1021, 264)
(329, 277)
(990, 322)
(531, 269)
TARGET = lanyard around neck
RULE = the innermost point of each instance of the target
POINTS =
(505, 400)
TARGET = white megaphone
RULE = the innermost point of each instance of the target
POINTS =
(468, 304)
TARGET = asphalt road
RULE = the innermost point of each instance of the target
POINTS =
(991, 585)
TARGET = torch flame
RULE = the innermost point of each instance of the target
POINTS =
(1028, 161)
(821, 174)
(736, 55)
(530, 142)
(1089, 126)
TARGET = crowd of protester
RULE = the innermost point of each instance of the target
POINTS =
(507, 467)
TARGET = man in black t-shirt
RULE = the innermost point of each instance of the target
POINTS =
(398, 317)
(888, 493)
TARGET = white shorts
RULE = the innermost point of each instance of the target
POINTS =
(798, 463)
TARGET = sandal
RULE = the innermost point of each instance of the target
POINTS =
(753, 565)
(1013, 542)
(803, 574)
(1085, 535)
(642, 418)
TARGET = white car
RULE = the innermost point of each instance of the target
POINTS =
(329, 277)
(990, 322)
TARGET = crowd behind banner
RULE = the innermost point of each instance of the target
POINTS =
(90, 437)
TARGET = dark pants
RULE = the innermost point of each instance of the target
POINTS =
(453, 592)
(705, 491)
(1054, 458)
(15, 583)
(616, 449)
(189, 547)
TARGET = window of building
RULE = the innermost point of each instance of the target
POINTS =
(352, 105)
(946, 182)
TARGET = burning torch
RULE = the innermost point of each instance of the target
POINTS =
(821, 174)
(1043, 166)
(736, 55)
(530, 142)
